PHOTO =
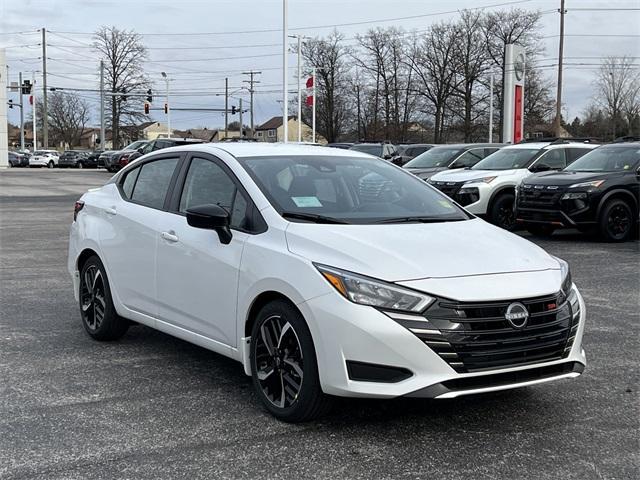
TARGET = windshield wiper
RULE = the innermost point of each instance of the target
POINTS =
(312, 217)
(419, 220)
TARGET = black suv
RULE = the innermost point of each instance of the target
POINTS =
(383, 150)
(599, 191)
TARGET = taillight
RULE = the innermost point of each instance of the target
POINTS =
(76, 209)
(123, 160)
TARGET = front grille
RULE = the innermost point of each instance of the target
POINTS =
(477, 336)
(535, 196)
(546, 216)
(450, 189)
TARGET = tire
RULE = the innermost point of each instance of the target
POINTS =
(80, 165)
(98, 314)
(282, 355)
(50, 164)
(541, 230)
(616, 222)
(501, 213)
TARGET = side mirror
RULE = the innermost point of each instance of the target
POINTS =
(388, 156)
(211, 217)
(541, 168)
(140, 149)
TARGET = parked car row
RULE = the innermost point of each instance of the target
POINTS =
(114, 160)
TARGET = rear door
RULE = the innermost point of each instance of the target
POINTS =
(197, 274)
(130, 241)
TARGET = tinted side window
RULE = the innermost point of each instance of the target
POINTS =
(554, 159)
(153, 182)
(129, 182)
(575, 153)
(206, 183)
(469, 158)
(489, 151)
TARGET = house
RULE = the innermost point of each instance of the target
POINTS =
(544, 130)
(152, 130)
(219, 136)
(199, 133)
(273, 131)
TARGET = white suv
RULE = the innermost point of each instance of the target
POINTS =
(324, 272)
(44, 158)
(488, 188)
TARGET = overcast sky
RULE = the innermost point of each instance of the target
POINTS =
(205, 62)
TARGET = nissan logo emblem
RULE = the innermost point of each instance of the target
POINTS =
(517, 315)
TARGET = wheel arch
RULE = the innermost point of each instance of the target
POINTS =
(618, 193)
(260, 301)
(84, 255)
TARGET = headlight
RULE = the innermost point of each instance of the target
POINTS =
(567, 282)
(594, 184)
(367, 291)
(481, 180)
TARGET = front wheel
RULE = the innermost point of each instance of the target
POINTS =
(50, 164)
(616, 221)
(284, 369)
(502, 213)
(98, 313)
(80, 165)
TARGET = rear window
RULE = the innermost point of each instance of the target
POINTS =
(608, 159)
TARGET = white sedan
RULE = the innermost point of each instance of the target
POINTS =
(325, 272)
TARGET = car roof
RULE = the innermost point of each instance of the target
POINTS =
(264, 149)
(468, 145)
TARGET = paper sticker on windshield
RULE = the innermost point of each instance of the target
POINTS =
(445, 204)
(305, 202)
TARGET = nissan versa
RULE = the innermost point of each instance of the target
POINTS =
(325, 273)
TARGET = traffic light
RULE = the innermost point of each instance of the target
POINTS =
(149, 96)
(123, 97)
(233, 110)
(10, 102)
(26, 87)
(166, 108)
(146, 108)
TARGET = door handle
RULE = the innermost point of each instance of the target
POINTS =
(110, 210)
(169, 236)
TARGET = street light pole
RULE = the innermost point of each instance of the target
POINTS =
(558, 123)
(285, 83)
(491, 108)
(21, 112)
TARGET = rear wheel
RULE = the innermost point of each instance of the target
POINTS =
(98, 313)
(284, 369)
(502, 213)
(50, 164)
(541, 230)
(616, 221)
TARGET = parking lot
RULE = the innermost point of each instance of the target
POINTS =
(152, 406)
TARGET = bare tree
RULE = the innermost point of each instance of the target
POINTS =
(124, 54)
(333, 112)
(617, 92)
(432, 61)
(69, 115)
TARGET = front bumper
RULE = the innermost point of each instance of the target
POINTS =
(481, 191)
(344, 331)
(39, 162)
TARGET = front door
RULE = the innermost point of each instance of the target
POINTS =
(197, 275)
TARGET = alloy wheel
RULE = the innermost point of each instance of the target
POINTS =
(279, 362)
(506, 217)
(92, 297)
(618, 221)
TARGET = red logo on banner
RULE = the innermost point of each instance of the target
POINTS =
(310, 100)
(309, 82)
(30, 99)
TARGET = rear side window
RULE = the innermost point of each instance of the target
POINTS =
(469, 158)
(151, 186)
(489, 151)
(129, 182)
(575, 153)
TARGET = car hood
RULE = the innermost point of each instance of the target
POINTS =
(465, 175)
(425, 172)
(569, 178)
(412, 251)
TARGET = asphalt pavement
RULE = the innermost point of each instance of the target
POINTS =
(151, 406)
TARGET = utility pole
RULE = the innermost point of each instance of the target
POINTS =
(299, 117)
(168, 107)
(285, 74)
(558, 123)
(251, 82)
(491, 108)
(102, 129)
(45, 110)
(33, 110)
(21, 112)
(226, 106)
(240, 132)
(358, 103)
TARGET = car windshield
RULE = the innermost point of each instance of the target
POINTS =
(435, 157)
(336, 189)
(608, 159)
(370, 149)
(508, 158)
(135, 145)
